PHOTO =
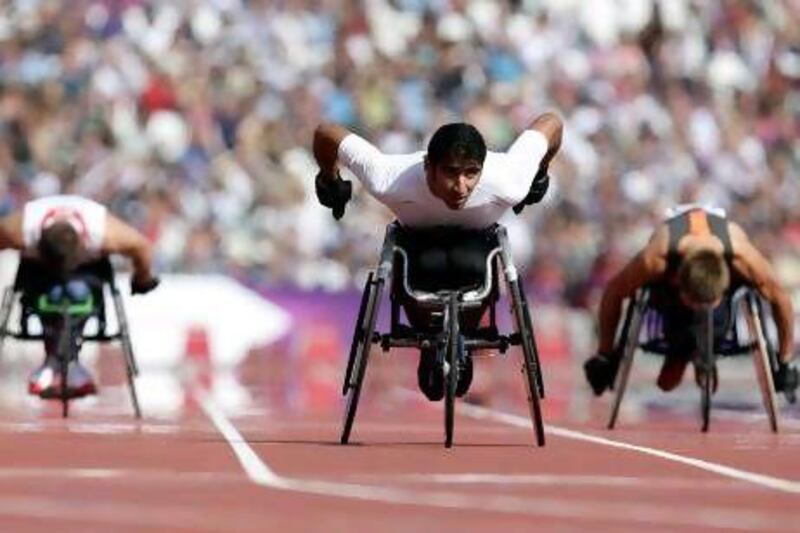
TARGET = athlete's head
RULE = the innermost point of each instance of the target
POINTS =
(703, 278)
(454, 163)
(60, 248)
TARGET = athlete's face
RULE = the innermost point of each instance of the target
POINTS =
(696, 306)
(453, 179)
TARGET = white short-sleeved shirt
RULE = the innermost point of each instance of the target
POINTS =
(86, 216)
(398, 182)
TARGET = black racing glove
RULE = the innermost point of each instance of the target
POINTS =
(601, 370)
(539, 186)
(143, 287)
(333, 193)
(786, 380)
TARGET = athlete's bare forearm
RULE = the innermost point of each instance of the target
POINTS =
(11, 232)
(327, 138)
(552, 127)
(610, 306)
(784, 322)
(125, 240)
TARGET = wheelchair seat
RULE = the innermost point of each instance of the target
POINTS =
(435, 261)
(727, 338)
(33, 280)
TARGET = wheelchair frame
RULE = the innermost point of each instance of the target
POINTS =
(450, 304)
(101, 269)
(638, 316)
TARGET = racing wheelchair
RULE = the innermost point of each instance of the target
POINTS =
(447, 308)
(32, 288)
(644, 328)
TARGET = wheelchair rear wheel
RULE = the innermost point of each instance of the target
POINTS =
(357, 333)
(131, 370)
(5, 314)
(526, 316)
(761, 360)
(359, 365)
(530, 366)
(629, 340)
(451, 376)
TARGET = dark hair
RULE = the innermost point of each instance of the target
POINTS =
(703, 276)
(458, 140)
(60, 248)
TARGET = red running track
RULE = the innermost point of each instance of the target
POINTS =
(258, 451)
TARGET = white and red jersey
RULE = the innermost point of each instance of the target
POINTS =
(86, 216)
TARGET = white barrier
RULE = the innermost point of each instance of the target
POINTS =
(230, 318)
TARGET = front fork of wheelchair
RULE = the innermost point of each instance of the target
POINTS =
(705, 363)
(67, 347)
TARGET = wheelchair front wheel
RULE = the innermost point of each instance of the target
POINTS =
(451, 376)
(64, 351)
(707, 368)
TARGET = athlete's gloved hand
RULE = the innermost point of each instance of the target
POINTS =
(786, 380)
(539, 186)
(601, 370)
(333, 192)
(144, 286)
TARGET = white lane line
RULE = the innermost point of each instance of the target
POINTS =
(256, 469)
(771, 482)
(101, 428)
(566, 508)
(132, 475)
(105, 514)
(560, 480)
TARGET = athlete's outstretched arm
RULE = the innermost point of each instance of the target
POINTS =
(552, 127)
(327, 138)
(751, 264)
(332, 191)
(534, 152)
(120, 238)
(647, 266)
(11, 232)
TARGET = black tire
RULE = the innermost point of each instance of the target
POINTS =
(131, 372)
(357, 332)
(451, 377)
(526, 316)
(362, 358)
(705, 401)
(530, 367)
(65, 354)
(628, 342)
(762, 361)
(131, 368)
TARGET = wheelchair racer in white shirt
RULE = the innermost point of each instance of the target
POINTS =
(456, 182)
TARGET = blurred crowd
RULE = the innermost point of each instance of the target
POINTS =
(193, 120)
